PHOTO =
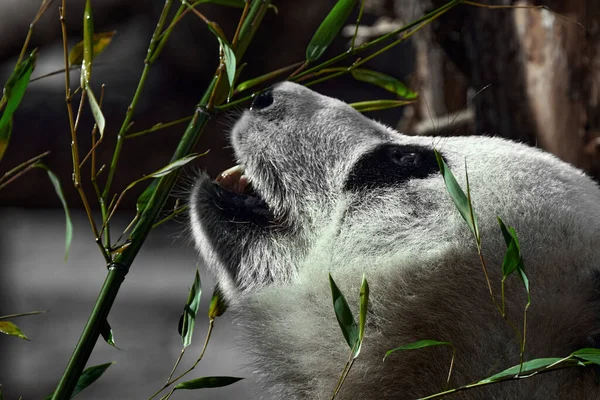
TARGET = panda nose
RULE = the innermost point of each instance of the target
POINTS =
(263, 100)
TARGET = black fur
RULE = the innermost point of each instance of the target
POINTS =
(391, 165)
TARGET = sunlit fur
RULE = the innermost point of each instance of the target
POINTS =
(415, 250)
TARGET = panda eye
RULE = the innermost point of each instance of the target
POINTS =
(403, 158)
(391, 165)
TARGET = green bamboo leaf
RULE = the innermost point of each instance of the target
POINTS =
(5, 134)
(384, 81)
(588, 354)
(344, 315)
(528, 367)
(144, 198)
(147, 194)
(505, 233)
(88, 45)
(166, 170)
(421, 344)
(59, 192)
(208, 382)
(374, 105)
(13, 93)
(525, 280)
(264, 78)
(230, 64)
(362, 316)
(89, 376)
(188, 317)
(329, 29)
(513, 260)
(1, 393)
(107, 334)
(8, 328)
(96, 110)
(217, 303)
(461, 201)
(100, 42)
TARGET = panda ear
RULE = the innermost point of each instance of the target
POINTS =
(390, 165)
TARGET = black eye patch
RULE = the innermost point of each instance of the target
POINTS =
(390, 165)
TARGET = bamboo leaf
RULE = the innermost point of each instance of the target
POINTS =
(461, 201)
(421, 344)
(107, 334)
(89, 376)
(208, 382)
(374, 105)
(13, 93)
(362, 316)
(59, 192)
(166, 170)
(528, 367)
(144, 198)
(344, 315)
(217, 304)
(230, 64)
(147, 194)
(8, 328)
(384, 81)
(96, 111)
(100, 42)
(329, 29)
(513, 260)
(264, 78)
(588, 354)
(88, 45)
(188, 317)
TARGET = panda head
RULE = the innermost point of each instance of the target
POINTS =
(316, 182)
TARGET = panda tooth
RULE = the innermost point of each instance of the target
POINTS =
(231, 179)
(243, 184)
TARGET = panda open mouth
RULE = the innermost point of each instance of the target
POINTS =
(238, 200)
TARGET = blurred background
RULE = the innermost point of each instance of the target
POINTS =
(527, 74)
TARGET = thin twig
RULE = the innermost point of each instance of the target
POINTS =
(43, 8)
(240, 24)
(17, 176)
(170, 381)
(23, 165)
(360, 14)
(344, 374)
(158, 127)
(73, 129)
(152, 53)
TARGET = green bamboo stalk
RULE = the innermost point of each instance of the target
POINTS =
(151, 55)
(119, 268)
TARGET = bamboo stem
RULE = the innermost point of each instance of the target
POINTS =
(119, 268)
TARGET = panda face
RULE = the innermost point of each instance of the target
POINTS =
(299, 155)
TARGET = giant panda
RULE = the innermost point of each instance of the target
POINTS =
(320, 189)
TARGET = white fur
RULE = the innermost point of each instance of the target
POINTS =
(416, 252)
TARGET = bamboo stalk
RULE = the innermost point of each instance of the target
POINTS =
(119, 268)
